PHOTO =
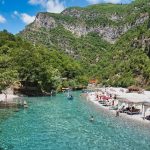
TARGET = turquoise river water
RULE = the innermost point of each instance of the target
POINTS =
(55, 123)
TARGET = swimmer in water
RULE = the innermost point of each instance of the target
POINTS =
(92, 118)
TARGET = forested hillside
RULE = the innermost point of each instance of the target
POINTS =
(111, 41)
(20, 61)
(107, 42)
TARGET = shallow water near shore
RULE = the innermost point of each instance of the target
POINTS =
(55, 123)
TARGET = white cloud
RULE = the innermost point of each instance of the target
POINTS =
(2, 19)
(53, 6)
(36, 2)
(104, 1)
(27, 19)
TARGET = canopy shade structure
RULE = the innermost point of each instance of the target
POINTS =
(134, 98)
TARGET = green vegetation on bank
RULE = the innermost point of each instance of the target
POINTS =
(121, 64)
(21, 61)
(57, 58)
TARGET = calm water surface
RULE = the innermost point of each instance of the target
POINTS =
(54, 123)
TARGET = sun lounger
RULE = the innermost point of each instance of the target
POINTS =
(124, 110)
(102, 102)
(133, 112)
(106, 104)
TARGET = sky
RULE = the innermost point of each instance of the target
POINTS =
(16, 14)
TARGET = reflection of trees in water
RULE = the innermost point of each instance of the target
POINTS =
(5, 114)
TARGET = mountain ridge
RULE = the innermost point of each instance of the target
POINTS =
(81, 21)
(106, 39)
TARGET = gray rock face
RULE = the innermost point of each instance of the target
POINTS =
(109, 33)
(77, 29)
(115, 17)
(142, 19)
(45, 21)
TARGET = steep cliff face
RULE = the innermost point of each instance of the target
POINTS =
(110, 33)
(45, 21)
(109, 21)
(111, 41)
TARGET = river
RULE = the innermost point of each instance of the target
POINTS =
(55, 123)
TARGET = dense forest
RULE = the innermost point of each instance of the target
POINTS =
(20, 61)
(112, 45)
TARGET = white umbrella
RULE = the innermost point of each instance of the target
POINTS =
(134, 98)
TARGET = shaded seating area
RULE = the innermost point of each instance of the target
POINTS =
(130, 110)
(133, 111)
(133, 100)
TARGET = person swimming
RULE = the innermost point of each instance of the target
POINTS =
(92, 118)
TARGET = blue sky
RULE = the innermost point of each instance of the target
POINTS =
(16, 14)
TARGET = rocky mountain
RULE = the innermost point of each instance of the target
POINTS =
(108, 37)
(109, 21)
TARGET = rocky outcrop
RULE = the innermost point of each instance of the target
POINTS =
(76, 29)
(109, 33)
(45, 21)
(76, 20)
(115, 17)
